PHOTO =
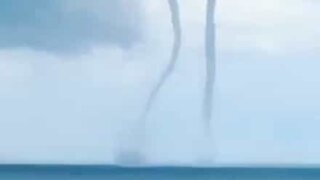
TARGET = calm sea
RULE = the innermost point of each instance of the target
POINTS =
(116, 173)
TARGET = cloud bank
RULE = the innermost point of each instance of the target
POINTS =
(64, 26)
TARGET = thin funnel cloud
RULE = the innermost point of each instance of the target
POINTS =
(210, 62)
(175, 20)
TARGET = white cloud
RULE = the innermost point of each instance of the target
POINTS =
(269, 26)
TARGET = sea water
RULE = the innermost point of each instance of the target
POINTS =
(159, 173)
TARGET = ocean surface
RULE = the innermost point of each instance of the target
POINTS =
(27, 172)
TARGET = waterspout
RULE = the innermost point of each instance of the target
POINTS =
(175, 20)
(210, 63)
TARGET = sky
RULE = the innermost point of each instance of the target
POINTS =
(74, 78)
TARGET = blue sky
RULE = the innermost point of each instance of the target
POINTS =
(68, 93)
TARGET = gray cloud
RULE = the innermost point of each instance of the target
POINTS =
(64, 26)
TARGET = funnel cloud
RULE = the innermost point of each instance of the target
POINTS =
(210, 62)
(175, 20)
